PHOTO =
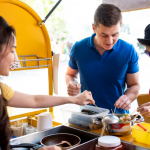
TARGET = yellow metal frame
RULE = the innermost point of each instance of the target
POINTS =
(32, 38)
(30, 118)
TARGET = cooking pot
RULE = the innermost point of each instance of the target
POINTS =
(53, 139)
(119, 128)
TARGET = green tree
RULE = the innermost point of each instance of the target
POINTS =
(55, 24)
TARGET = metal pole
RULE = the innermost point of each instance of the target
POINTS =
(51, 11)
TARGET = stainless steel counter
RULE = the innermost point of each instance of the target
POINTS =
(88, 139)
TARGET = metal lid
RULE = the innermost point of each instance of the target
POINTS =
(109, 141)
(109, 119)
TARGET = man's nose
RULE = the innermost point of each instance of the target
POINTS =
(109, 40)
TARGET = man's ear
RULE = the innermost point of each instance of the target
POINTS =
(93, 27)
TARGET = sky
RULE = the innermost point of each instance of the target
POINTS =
(137, 21)
(78, 15)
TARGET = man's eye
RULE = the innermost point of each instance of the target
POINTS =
(12, 51)
(114, 35)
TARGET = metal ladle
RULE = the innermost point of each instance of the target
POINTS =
(109, 119)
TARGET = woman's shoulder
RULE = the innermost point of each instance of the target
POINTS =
(6, 90)
(3, 85)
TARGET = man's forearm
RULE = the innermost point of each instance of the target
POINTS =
(70, 78)
(132, 92)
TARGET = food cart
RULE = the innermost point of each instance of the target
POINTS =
(37, 54)
(33, 48)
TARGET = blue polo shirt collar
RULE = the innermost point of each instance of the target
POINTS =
(92, 44)
(91, 41)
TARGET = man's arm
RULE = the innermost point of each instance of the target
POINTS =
(133, 86)
(71, 75)
(73, 88)
(131, 93)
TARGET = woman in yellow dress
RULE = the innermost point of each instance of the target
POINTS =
(9, 97)
(145, 108)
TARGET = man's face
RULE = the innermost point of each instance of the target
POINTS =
(147, 51)
(148, 48)
(106, 37)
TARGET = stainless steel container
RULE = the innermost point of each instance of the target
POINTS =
(120, 128)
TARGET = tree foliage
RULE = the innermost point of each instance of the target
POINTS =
(55, 24)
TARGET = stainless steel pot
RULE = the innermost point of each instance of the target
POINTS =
(119, 128)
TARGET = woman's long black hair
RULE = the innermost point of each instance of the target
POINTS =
(6, 36)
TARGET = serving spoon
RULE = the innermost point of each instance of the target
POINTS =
(100, 111)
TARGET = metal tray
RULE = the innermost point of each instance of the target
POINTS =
(88, 139)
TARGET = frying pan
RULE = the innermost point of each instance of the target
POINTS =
(53, 139)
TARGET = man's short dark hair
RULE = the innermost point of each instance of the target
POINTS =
(107, 15)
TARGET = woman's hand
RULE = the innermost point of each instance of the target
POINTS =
(84, 98)
(144, 109)
(50, 148)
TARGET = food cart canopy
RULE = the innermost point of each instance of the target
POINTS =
(129, 5)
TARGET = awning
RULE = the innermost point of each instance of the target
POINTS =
(129, 5)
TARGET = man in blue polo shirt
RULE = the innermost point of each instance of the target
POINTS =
(108, 66)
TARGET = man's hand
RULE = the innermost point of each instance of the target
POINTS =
(144, 109)
(73, 89)
(84, 98)
(50, 148)
(123, 102)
